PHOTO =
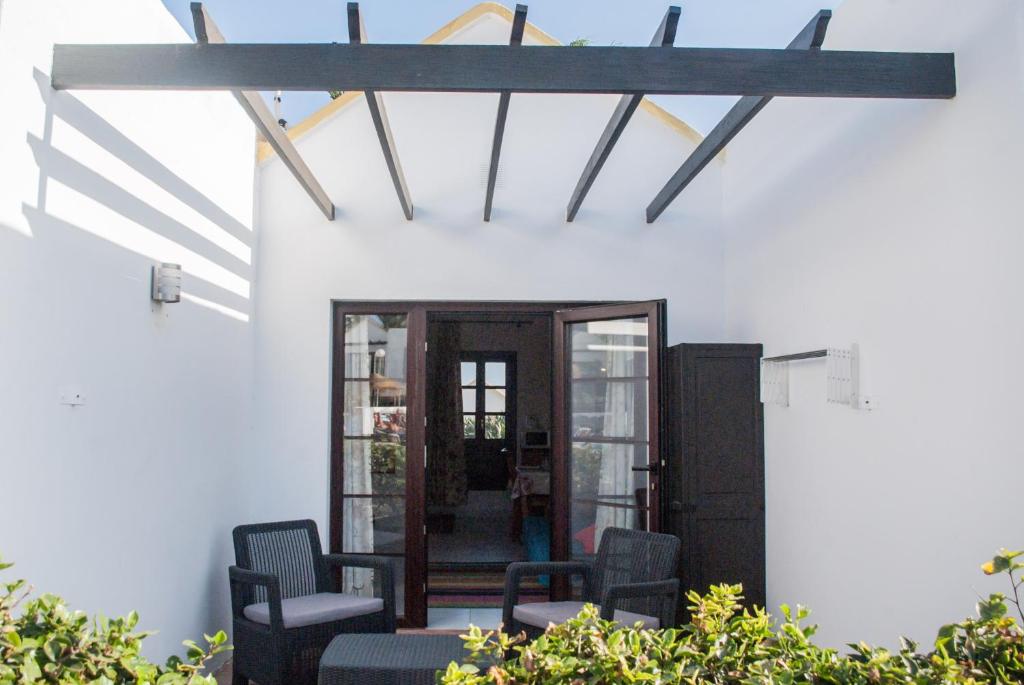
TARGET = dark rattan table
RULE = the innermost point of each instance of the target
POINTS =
(383, 659)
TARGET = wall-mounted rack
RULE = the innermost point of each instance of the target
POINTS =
(842, 377)
(796, 357)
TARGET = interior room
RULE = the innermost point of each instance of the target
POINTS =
(541, 427)
(488, 457)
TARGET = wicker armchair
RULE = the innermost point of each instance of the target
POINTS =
(285, 604)
(633, 578)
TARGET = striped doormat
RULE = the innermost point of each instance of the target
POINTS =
(456, 587)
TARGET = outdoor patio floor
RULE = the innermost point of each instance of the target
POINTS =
(445, 618)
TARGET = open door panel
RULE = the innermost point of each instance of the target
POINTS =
(607, 428)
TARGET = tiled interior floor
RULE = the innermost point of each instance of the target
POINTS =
(460, 619)
(480, 534)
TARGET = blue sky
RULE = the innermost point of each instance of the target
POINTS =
(704, 23)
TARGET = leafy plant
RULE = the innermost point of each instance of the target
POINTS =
(387, 458)
(725, 643)
(42, 641)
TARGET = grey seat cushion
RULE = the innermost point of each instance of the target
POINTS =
(542, 613)
(313, 609)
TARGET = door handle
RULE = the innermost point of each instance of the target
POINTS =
(652, 468)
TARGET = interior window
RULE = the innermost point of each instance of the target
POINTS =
(484, 390)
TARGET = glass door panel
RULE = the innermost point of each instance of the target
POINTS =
(387, 467)
(607, 427)
(374, 443)
(609, 408)
(384, 532)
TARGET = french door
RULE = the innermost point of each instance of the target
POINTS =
(606, 456)
(377, 447)
(607, 447)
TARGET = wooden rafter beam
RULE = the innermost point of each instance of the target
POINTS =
(357, 36)
(808, 40)
(497, 68)
(207, 34)
(516, 39)
(664, 37)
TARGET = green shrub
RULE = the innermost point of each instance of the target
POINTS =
(42, 641)
(726, 643)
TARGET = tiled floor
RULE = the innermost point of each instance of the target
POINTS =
(480, 533)
(460, 619)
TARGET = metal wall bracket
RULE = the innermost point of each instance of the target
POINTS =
(775, 382)
(842, 377)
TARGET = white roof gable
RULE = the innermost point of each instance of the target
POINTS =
(487, 23)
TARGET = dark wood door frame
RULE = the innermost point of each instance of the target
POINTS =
(415, 605)
(415, 503)
(561, 430)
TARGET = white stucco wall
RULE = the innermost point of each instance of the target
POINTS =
(891, 224)
(526, 252)
(126, 502)
(896, 225)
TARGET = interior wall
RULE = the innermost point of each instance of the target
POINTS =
(531, 342)
(447, 252)
(896, 225)
(127, 501)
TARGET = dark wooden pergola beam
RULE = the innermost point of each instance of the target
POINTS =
(664, 37)
(515, 39)
(497, 68)
(207, 33)
(357, 36)
(809, 39)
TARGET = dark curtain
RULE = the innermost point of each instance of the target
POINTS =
(446, 463)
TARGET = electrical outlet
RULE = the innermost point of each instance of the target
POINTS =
(71, 395)
(867, 402)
